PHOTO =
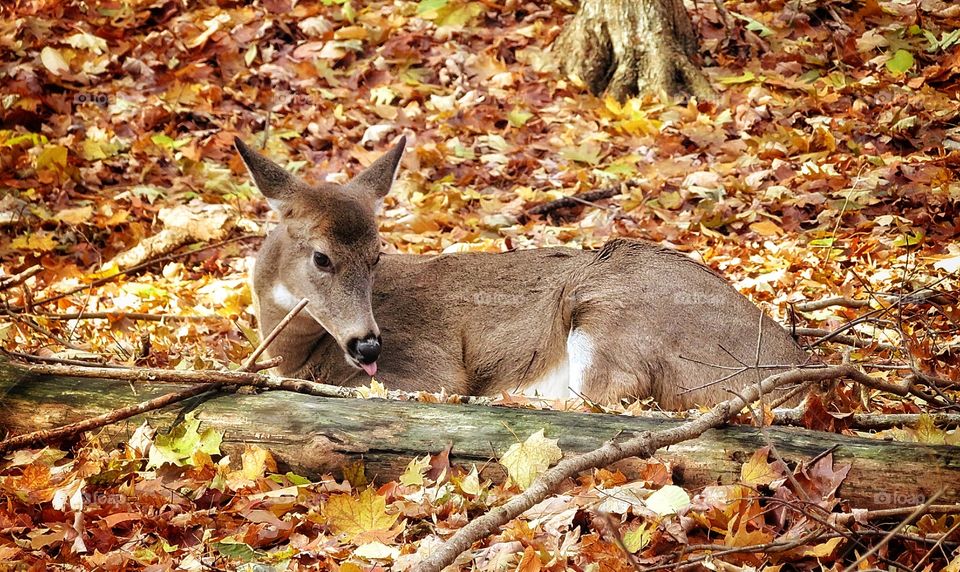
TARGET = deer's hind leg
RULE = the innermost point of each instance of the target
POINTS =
(606, 367)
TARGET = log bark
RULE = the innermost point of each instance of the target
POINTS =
(315, 435)
(630, 47)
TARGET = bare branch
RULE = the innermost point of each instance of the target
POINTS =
(8, 282)
(842, 301)
(643, 445)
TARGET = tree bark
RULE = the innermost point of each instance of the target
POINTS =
(315, 435)
(630, 47)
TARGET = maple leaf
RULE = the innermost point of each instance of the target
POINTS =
(255, 461)
(413, 474)
(757, 471)
(361, 519)
(525, 461)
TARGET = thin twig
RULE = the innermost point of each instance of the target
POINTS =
(273, 335)
(118, 315)
(52, 359)
(919, 565)
(47, 435)
(588, 197)
(828, 336)
(884, 513)
(872, 421)
(842, 301)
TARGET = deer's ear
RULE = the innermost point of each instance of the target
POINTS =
(379, 176)
(275, 182)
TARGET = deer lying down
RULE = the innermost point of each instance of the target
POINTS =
(631, 320)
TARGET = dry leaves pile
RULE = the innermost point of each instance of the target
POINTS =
(827, 166)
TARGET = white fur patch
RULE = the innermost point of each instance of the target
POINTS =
(554, 384)
(580, 356)
(283, 297)
(567, 378)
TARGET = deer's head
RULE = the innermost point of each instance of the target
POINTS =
(330, 246)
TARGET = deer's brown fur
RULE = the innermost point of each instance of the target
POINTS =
(633, 319)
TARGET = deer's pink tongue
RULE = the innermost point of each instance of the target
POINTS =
(370, 368)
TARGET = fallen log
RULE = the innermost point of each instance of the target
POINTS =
(316, 435)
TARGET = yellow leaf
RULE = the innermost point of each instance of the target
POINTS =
(52, 156)
(74, 216)
(413, 475)
(757, 471)
(376, 390)
(766, 227)
(254, 462)
(740, 536)
(823, 550)
(954, 565)
(40, 241)
(637, 538)
(471, 483)
(525, 461)
(362, 519)
(53, 60)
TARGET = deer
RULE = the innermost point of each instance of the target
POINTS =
(632, 320)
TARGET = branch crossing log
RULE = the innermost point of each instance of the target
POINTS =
(315, 435)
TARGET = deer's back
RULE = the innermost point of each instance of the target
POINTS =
(504, 319)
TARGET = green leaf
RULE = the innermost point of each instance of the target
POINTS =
(901, 61)
(909, 239)
(183, 441)
(518, 117)
(754, 26)
(746, 77)
(161, 140)
(425, 6)
(238, 550)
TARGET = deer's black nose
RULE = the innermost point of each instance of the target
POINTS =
(365, 351)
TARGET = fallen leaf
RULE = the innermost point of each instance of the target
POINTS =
(361, 519)
(525, 461)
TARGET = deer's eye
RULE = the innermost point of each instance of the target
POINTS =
(321, 260)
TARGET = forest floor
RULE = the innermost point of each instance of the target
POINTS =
(827, 166)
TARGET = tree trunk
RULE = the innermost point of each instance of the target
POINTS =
(630, 47)
(315, 435)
